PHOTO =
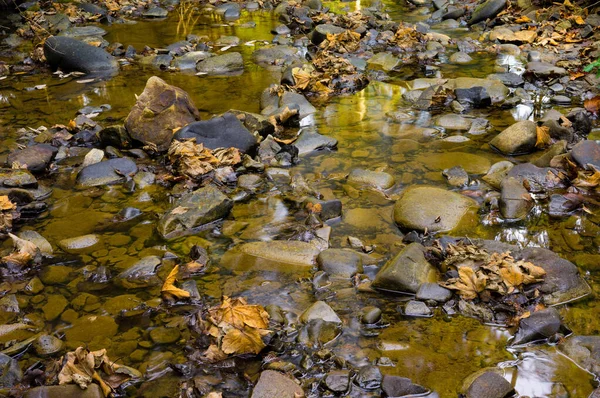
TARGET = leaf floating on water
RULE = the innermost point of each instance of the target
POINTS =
(243, 341)
(237, 313)
(169, 286)
(543, 137)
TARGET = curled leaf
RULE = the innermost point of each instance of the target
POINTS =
(169, 286)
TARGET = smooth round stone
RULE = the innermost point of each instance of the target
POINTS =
(417, 308)
(55, 274)
(460, 58)
(80, 243)
(376, 179)
(88, 327)
(163, 335)
(561, 99)
(320, 311)
(454, 122)
(340, 263)
(338, 380)
(46, 345)
(434, 292)
(370, 315)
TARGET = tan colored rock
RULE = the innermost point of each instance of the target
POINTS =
(160, 110)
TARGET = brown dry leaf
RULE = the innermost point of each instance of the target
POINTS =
(302, 78)
(169, 286)
(575, 75)
(179, 210)
(24, 246)
(228, 156)
(214, 354)
(237, 313)
(470, 283)
(523, 19)
(587, 179)
(532, 269)
(512, 276)
(578, 20)
(6, 204)
(243, 341)
(543, 137)
(214, 394)
(592, 104)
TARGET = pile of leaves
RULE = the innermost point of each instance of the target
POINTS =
(481, 274)
(343, 43)
(8, 214)
(193, 160)
(236, 327)
(84, 367)
(407, 38)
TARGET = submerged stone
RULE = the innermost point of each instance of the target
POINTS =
(539, 326)
(274, 384)
(320, 310)
(376, 179)
(88, 327)
(141, 274)
(108, 172)
(65, 391)
(278, 255)
(222, 64)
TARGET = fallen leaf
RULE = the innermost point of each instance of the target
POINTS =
(592, 104)
(237, 313)
(523, 19)
(575, 75)
(587, 179)
(243, 341)
(169, 287)
(512, 276)
(543, 137)
(6, 204)
(470, 283)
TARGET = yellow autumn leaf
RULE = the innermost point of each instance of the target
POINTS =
(470, 283)
(532, 269)
(578, 20)
(512, 276)
(587, 179)
(169, 286)
(243, 341)
(237, 313)
(5, 203)
(523, 19)
(543, 137)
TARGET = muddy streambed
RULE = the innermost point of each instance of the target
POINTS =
(437, 352)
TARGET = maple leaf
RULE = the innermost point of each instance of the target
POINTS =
(512, 276)
(543, 137)
(237, 313)
(6, 204)
(592, 104)
(469, 283)
(243, 341)
(169, 286)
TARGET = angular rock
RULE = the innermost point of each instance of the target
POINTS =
(35, 157)
(518, 139)
(338, 380)
(112, 171)
(194, 210)
(340, 263)
(293, 100)
(189, 60)
(396, 386)
(310, 141)
(320, 311)
(540, 325)
(544, 69)
(406, 272)
(515, 201)
(419, 208)
(72, 55)
(158, 111)
(274, 384)
(321, 31)
(416, 308)
(222, 64)
(434, 292)
(276, 57)
(585, 153)
(219, 132)
(141, 274)
(10, 372)
(486, 10)
(495, 90)
(369, 377)
(383, 61)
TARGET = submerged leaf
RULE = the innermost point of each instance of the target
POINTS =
(169, 286)
(243, 341)
(237, 313)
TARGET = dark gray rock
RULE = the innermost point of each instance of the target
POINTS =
(116, 136)
(194, 210)
(112, 171)
(219, 132)
(274, 384)
(489, 385)
(586, 153)
(486, 10)
(10, 372)
(538, 179)
(338, 380)
(478, 97)
(321, 31)
(36, 157)
(544, 69)
(155, 12)
(340, 263)
(65, 391)
(369, 377)
(416, 308)
(584, 351)
(309, 141)
(277, 57)
(222, 64)
(72, 55)
(515, 201)
(141, 274)
(396, 386)
(509, 79)
(17, 178)
(539, 326)
(406, 272)
(434, 292)
(189, 60)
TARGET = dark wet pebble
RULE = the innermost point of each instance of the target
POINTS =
(112, 171)
(486, 10)
(35, 157)
(338, 380)
(369, 378)
(71, 55)
(396, 386)
(417, 308)
(222, 64)
(434, 292)
(47, 345)
(370, 315)
(477, 97)
(489, 385)
(539, 326)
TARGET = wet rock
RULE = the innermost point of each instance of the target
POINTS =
(155, 12)
(377, 179)
(318, 332)
(309, 141)
(10, 372)
(36, 157)
(418, 208)
(88, 327)
(540, 325)
(506, 35)
(509, 79)
(489, 385)
(340, 263)
(189, 60)
(80, 244)
(47, 345)
(497, 172)
(416, 308)
(486, 10)
(538, 179)
(469, 89)
(518, 139)
(478, 97)
(383, 61)
(116, 136)
(70, 55)
(338, 380)
(222, 64)
(65, 391)
(54, 306)
(369, 378)
(544, 69)
(370, 315)
(295, 100)
(460, 58)
(406, 272)
(38, 240)
(456, 176)
(164, 335)
(586, 153)
(320, 311)
(80, 32)
(272, 153)
(14, 178)
(584, 351)
(141, 274)
(158, 111)
(282, 256)
(582, 123)
(194, 210)
(515, 201)
(454, 122)
(108, 172)
(276, 57)
(544, 160)
(434, 292)
(396, 386)
(275, 384)
(55, 275)
(219, 132)
(564, 205)
(329, 208)
(319, 34)
(9, 308)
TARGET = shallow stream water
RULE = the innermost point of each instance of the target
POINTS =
(437, 352)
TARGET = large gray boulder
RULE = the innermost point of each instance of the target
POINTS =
(112, 171)
(518, 139)
(194, 210)
(407, 271)
(72, 55)
(435, 210)
(160, 110)
(486, 10)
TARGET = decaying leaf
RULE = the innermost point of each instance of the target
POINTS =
(592, 104)
(169, 287)
(345, 42)
(6, 204)
(238, 328)
(469, 283)
(543, 137)
(588, 179)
